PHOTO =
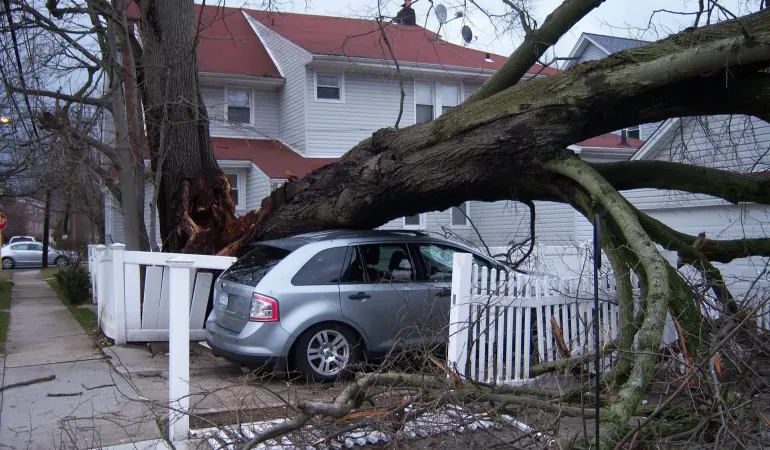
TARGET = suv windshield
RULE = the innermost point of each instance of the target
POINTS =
(253, 266)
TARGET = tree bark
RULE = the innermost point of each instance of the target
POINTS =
(194, 192)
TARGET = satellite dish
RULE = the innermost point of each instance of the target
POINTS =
(467, 34)
(441, 14)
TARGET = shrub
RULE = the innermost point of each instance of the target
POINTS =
(75, 283)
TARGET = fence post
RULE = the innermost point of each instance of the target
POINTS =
(179, 349)
(119, 292)
(459, 311)
(98, 256)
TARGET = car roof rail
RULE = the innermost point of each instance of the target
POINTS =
(414, 232)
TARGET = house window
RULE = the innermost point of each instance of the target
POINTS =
(234, 191)
(238, 106)
(423, 99)
(328, 87)
(416, 222)
(634, 132)
(460, 215)
(450, 97)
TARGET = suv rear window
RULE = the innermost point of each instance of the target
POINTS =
(253, 266)
(323, 268)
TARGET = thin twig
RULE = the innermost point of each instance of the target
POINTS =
(28, 382)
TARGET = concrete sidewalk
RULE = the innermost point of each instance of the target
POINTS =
(87, 405)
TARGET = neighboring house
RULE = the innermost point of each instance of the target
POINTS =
(288, 93)
(739, 143)
(25, 217)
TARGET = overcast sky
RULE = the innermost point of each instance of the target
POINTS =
(623, 18)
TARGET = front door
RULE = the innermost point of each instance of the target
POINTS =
(376, 294)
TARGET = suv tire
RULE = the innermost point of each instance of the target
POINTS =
(326, 352)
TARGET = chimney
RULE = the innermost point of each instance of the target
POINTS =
(623, 140)
(407, 15)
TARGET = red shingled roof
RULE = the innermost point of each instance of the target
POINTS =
(272, 157)
(228, 44)
(611, 140)
(361, 38)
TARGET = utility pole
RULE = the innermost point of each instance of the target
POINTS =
(46, 226)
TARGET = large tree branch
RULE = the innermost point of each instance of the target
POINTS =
(535, 44)
(59, 96)
(731, 186)
(722, 251)
(503, 141)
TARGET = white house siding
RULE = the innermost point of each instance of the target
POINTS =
(469, 89)
(291, 60)
(370, 103)
(264, 105)
(737, 143)
(114, 232)
(257, 188)
(591, 53)
(725, 222)
(501, 223)
(554, 223)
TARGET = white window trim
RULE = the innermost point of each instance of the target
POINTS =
(421, 226)
(329, 100)
(438, 98)
(637, 127)
(282, 181)
(467, 219)
(241, 189)
(251, 107)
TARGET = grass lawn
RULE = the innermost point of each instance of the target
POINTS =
(5, 306)
(82, 313)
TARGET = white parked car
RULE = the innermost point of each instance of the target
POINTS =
(30, 254)
(16, 239)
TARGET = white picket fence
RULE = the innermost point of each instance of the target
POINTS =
(133, 291)
(501, 324)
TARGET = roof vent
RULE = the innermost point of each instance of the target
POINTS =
(488, 57)
(406, 16)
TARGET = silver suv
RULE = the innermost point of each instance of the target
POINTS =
(320, 302)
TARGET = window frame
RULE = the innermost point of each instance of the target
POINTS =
(421, 226)
(459, 87)
(341, 87)
(410, 254)
(422, 265)
(437, 88)
(433, 97)
(467, 219)
(239, 182)
(227, 106)
(635, 128)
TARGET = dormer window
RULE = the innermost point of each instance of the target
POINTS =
(238, 106)
(328, 87)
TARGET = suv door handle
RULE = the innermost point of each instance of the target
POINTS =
(359, 296)
(446, 292)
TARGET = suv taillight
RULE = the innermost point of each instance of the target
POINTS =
(263, 309)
